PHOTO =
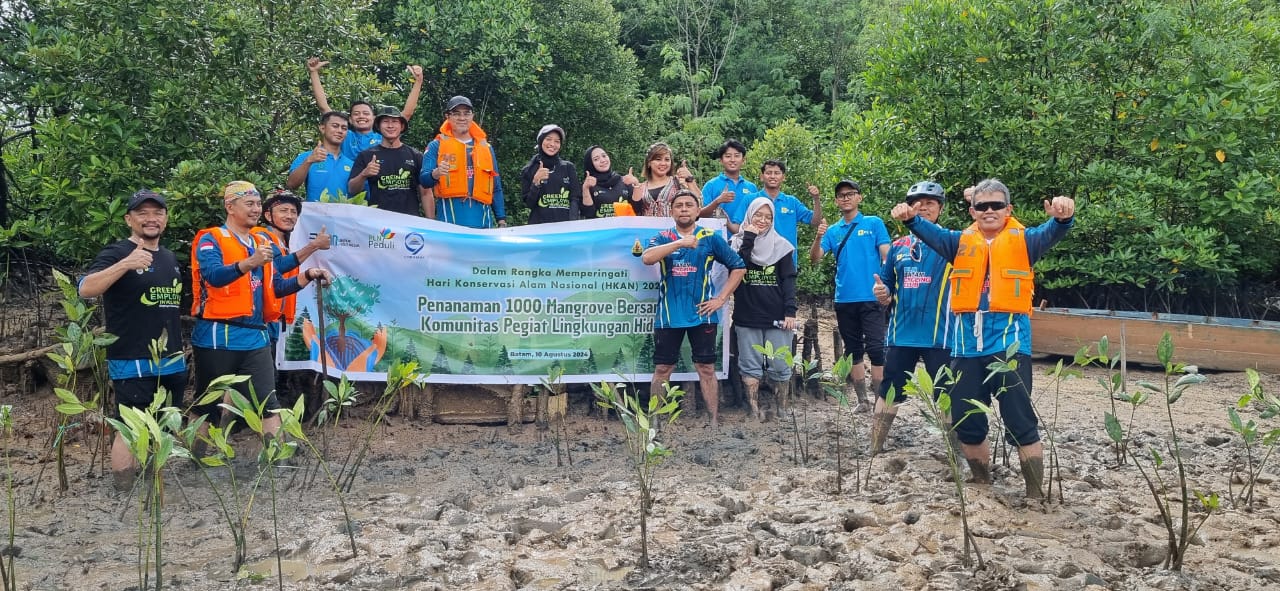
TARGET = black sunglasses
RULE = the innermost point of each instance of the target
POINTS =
(990, 206)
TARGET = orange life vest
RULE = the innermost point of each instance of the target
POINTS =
(235, 299)
(454, 184)
(1004, 262)
(288, 305)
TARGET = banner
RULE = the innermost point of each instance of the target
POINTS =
(500, 306)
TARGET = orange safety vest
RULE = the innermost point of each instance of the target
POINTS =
(454, 184)
(288, 305)
(235, 299)
(1004, 262)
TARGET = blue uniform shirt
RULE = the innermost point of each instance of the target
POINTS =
(978, 334)
(325, 180)
(788, 213)
(744, 191)
(859, 260)
(686, 277)
(917, 279)
(357, 142)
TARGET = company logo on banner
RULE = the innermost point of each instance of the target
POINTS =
(502, 306)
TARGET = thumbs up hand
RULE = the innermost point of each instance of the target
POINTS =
(881, 291)
(322, 241)
(318, 154)
(683, 173)
(630, 179)
(540, 176)
(138, 260)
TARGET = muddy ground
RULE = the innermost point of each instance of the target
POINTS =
(479, 507)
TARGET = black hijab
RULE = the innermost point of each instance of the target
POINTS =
(607, 178)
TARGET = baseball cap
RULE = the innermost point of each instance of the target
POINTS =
(144, 196)
(456, 102)
(851, 184)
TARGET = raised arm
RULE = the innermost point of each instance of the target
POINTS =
(317, 89)
(411, 102)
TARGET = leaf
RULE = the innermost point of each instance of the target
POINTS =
(1155, 144)
(1236, 424)
(70, 408)
(1164, 350)
(1114, 430)
(1221, 155)
(65, 395)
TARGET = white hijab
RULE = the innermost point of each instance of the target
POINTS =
(769, 247)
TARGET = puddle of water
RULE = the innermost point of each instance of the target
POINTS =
(294, 570)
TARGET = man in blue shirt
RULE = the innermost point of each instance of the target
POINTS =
(860, 244)
(992, 285)
(728, 192)
(789, 212)
(688, 304)
(362, 134)
(913, 284)
(323, 170)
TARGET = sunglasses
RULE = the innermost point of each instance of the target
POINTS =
(990, 206)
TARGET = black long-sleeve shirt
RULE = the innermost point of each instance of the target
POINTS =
(766, 294)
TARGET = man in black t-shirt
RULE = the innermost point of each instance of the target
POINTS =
(388, 172)
(141, 289)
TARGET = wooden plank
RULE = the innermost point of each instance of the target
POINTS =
(1210, 346)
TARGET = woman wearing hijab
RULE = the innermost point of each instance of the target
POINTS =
(549, 183)
(603, 188)
(764, 306)
(659, 185)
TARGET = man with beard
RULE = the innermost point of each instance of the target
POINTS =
(860, 244)
(992, 285)
(728, 191)
(461, 167)
(688, 304)
(363, 133)
(323, 170)
(236, 283)
(141, 290)
(388, 173)
(549, 183)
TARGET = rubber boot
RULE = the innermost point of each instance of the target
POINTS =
(880, 423)
(1033, 476)
(981, 472)
(783, 392)
(752, 386)
(860, 389)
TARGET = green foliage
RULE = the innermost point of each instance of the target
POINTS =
(1148, 123)
(1253, 434)
(7, 574)
(181, 95)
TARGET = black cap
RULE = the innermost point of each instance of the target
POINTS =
(851, 184)
(456, 102)
(144, 196)
(282, 196)
(388, 111)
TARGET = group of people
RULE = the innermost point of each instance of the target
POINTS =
(957, 298)
(243, 281)
(945, 297)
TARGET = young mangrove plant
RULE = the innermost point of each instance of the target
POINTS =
(153, 437)
(400, 375)
(834, 387)
(559, 433)
(1114, 387)
(80, 347)
(1178, 377)
(935, 407)
(10, 580)
(641, 422)
(1251, 435)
